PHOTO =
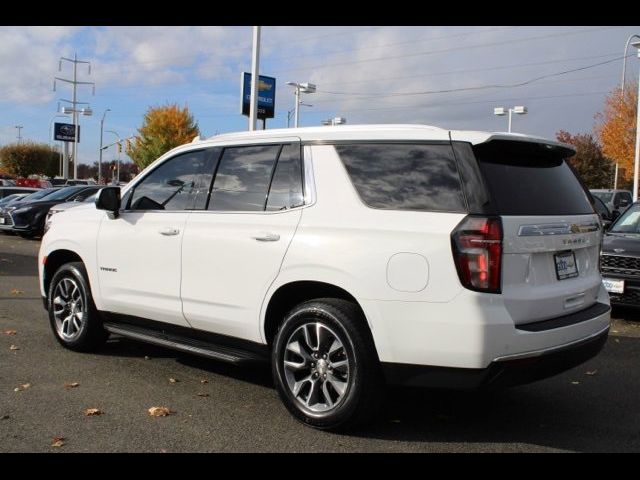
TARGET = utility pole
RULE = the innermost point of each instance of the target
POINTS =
(74, 104)
(255, 72)
(100, 157)
(19, 127)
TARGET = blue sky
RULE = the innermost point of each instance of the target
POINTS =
(366, 74)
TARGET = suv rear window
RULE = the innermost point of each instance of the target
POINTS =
(404, 176)
(526, 178)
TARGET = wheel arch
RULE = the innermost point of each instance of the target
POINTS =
(292, 293)
(55, 260)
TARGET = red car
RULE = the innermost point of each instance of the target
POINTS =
(33, 182)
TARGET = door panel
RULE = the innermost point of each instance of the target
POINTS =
(229, 262)
(139, 264)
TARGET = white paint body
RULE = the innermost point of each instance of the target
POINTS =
(214, 275)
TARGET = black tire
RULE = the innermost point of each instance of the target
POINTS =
(91, 334)
(364, 394)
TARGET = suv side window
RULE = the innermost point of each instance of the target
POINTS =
(243, 177)
(286, 187)
(173, 185)
(404, 176)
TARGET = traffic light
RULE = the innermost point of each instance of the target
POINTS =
(119, 147)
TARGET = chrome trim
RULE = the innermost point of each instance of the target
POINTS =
(557, 229)
(544, 351)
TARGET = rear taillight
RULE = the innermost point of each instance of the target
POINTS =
(477, 251)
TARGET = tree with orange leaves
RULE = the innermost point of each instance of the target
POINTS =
(616, 129)
(163, 129)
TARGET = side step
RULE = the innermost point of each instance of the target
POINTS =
(185, 344)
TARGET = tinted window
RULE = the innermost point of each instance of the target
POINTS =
(243, 177)
(286, 186)
(63, 193)
(530, 179)
(474, 187)
(629, 221)
(172, 185)
(405, 177)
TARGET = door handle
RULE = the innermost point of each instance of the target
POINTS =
(169, 231)
(266, 237)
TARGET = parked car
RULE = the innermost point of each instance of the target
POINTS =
(28, 218)
(6, 191)
(348, 257)
(7, 182)
(620, 258)
(606, 216)
(33, 182)
(81, 182)
(6, 220)
(12, 198)
(615, 200)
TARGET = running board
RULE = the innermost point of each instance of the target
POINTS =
(185, 344)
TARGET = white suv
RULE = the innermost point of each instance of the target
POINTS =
(349, 257)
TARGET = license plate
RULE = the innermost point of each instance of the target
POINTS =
(1, 220)
(613, 286)
(566, 265)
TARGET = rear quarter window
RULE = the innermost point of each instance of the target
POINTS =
(404, 176)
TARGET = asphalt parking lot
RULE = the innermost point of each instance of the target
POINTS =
(218, 407)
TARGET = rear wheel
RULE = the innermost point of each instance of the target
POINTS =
(325, 366)
(74, 319)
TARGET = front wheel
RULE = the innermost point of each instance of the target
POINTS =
(325, 365)
(73, 316)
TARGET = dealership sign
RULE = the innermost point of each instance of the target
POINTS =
(266, 95)
(65, 132)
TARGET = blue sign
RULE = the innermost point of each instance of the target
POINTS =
(266, 95)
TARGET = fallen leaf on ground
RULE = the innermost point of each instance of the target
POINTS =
(5, 417)
(614, 331)
(203, 381)
(575, 383)
(5, 260)
(24, 386)
(15, 291)
(147, 358)
(173, 380)
(71, 385)
(616, 340)
(591, 373)
(14, 347)
(202, 394)
(90, 412)
(57, 442)
(159, 411)
(10, 332)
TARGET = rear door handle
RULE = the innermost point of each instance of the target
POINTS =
(266, 237)
(169, 231)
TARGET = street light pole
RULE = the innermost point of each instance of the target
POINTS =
(500, 111)
(637, 153)
(100, 155)
(624, 62)
(255, 72)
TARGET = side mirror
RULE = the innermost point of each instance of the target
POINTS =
(108, 198)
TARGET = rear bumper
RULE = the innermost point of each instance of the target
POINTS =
(503, 372)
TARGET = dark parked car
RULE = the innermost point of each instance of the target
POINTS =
(6, 191)
(28, 218)
(15, 197)
(620, 258)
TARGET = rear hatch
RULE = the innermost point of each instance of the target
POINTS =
(551, 234)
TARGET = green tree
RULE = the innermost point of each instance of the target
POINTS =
(163, 128)
(24, 159)
(594, 168)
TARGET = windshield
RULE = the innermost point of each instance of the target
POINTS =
(64, 193)
(629, 221)
(604, 196)
(39, 194)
